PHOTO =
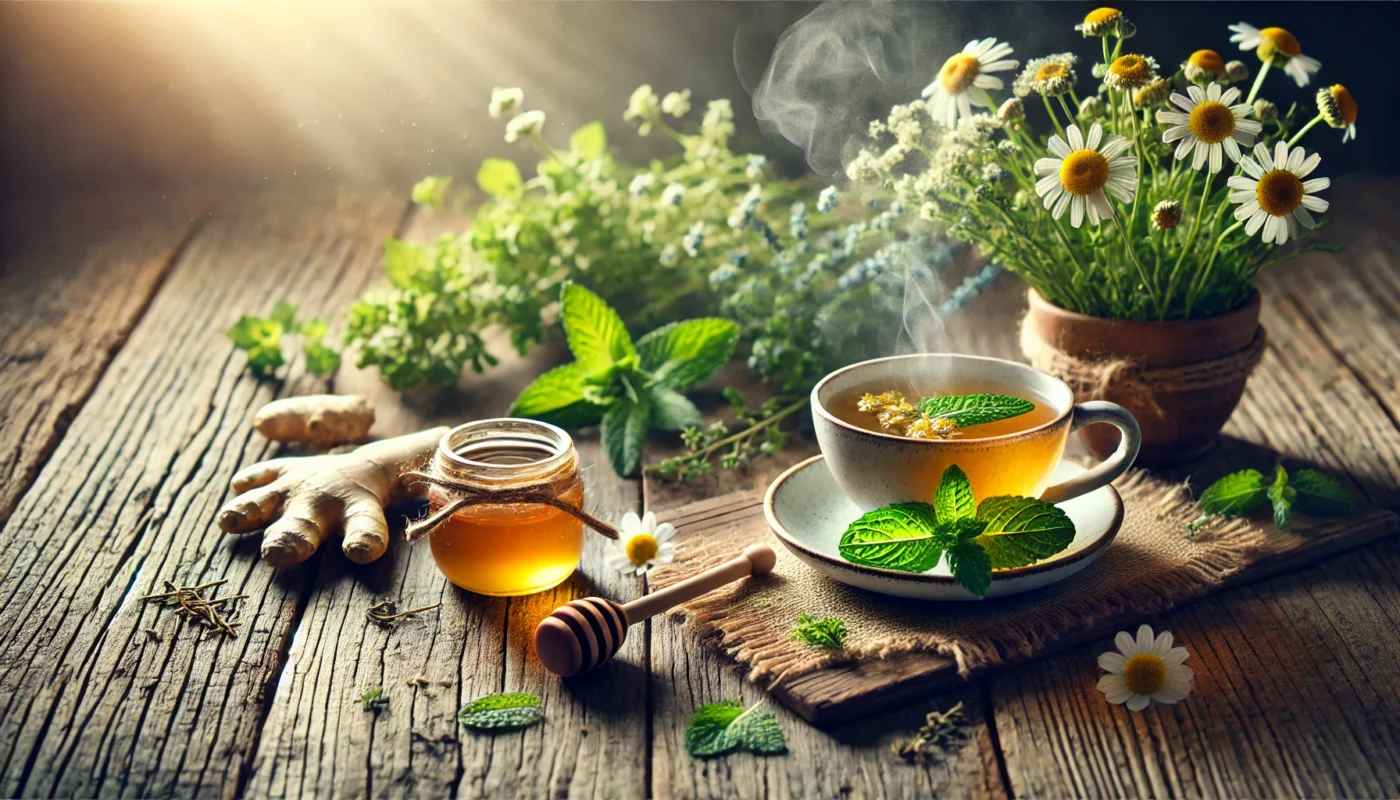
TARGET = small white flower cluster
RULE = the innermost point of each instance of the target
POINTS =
(526, 125)
(744, 212)
(672, 195)
(644, 106)
(826, 201)
(754, 170)
(505, 101)
(797, 224)
(694, 239)
(641, 184)
(677, 104)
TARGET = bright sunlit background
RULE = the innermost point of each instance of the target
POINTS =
(247, 92)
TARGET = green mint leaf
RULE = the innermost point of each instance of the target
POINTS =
(1321, 495)
(501, 712)
(559, 397)
(1281, 495)
(966, 410)
(431, 190)
(1234, 495)
(625, 434)
(405, 262)
(719, 728)
(961, 529)
(262, 340)
(320, 359)
(971, 566)
(672, 411)
(499, 177)
(683, 354)
(902, 536)
(284, 314)
(953, 499)
(595, 332)
(590, 141)
(1022, 530)
(828, 633)
(314, 329)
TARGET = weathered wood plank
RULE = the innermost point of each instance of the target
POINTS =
(1295, 697)
(592, 742)
(76, 273)
(89, 703)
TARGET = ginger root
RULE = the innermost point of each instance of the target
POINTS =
(319, 419)
(301, 501)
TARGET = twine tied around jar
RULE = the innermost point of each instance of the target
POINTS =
(467, 494)
(1130, 382)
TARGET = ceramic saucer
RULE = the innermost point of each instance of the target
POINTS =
(809, 512)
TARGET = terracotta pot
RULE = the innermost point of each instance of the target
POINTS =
(1185, 423)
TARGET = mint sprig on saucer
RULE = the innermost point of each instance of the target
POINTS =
(1000, 533)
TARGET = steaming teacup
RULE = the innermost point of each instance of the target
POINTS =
(876, 469)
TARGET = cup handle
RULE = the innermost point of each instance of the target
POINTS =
(1116, 464)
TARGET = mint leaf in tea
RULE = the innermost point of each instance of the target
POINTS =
(975, 415)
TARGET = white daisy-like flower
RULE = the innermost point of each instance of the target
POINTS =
(963, 81)
(1131, 72)
(1145, 670)
(1210, 124)
(1051, 76)
(1274, 195)
(1080, 173)
(1277, 47)
(1203, 66)
(1338, 108)
(644, 545)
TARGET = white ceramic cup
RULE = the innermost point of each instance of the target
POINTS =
(876, 469)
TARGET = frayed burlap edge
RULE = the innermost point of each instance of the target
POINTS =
(747, 633)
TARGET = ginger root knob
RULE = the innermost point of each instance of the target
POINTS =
(324, 420)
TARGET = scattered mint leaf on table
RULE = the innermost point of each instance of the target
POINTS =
(374, 699)
(720, 728)
(1321, 495)
(974, 409)
(1234, 495)
(828, 633)
(501, 712)
(1281, 495)
(627, 388)
(262, 340)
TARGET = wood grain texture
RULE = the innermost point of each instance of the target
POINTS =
(318, 740)
(76, 273)
(90, 704)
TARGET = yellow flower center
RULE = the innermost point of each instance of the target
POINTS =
(1279, 192)
(641, 548)
(1145, 673)
(1101, 15)
(1212, 122)
(1084, 172)
(1277, 41)
(1208, 60)
(958, 73)
(1132, 70)
(1055, 69)
(1345, 103)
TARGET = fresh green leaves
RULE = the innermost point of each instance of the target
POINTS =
(828, 633)
(720, 728)
(1002, 533)
(374, 699)
(500, 712)
(1321, 495)
(500, 177)
(262, 340)
(628, 388)
(431, 190)
(590, 141)
(1240, 493)
(974, 409)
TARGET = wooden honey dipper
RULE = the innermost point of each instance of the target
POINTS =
(586, 633)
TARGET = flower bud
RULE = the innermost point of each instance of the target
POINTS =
(1154, 93)
(1236, 71)
(1265, 111)
(1013, 109)
(1166, 215)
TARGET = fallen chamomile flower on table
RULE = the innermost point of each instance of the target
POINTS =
(1145, 670)
(1274, 196)
(1210, 124)
(963, 81)
(1278, 48)
(644, 544)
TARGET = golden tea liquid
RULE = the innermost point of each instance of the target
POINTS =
(510, 549)
(995, 466)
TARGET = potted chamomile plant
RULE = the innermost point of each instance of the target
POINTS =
(1139, 219)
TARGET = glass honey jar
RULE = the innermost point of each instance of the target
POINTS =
(508, 548)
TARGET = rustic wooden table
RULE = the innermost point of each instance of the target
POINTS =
(124, 412)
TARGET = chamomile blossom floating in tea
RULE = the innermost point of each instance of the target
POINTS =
(964, 80)
(1274, 196)
(1276, 47)
(1210, 125)
(946, 416)
(1077, 177)
(1145, 670)
(644, 545)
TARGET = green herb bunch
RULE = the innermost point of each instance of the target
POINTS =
(261, 339)
(828, 633)
(1239, 494)
(999, 533)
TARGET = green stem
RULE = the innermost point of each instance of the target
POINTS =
(1132, 253)
(1190, 239)
(753, 429)
(1203, 279)
(1258, 82)
(1304, 130)
(1051, 112)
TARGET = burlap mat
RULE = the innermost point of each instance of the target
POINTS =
(1151, 566)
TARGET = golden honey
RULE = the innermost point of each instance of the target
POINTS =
(515, 548)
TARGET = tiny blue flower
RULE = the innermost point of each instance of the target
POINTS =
(723, 274)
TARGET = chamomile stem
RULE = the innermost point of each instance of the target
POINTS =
(1304, 130)
(1142, 273)
(1258, 82)
(1191, 238)
(1202, 281)
(1051, 111)
(755, 428)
